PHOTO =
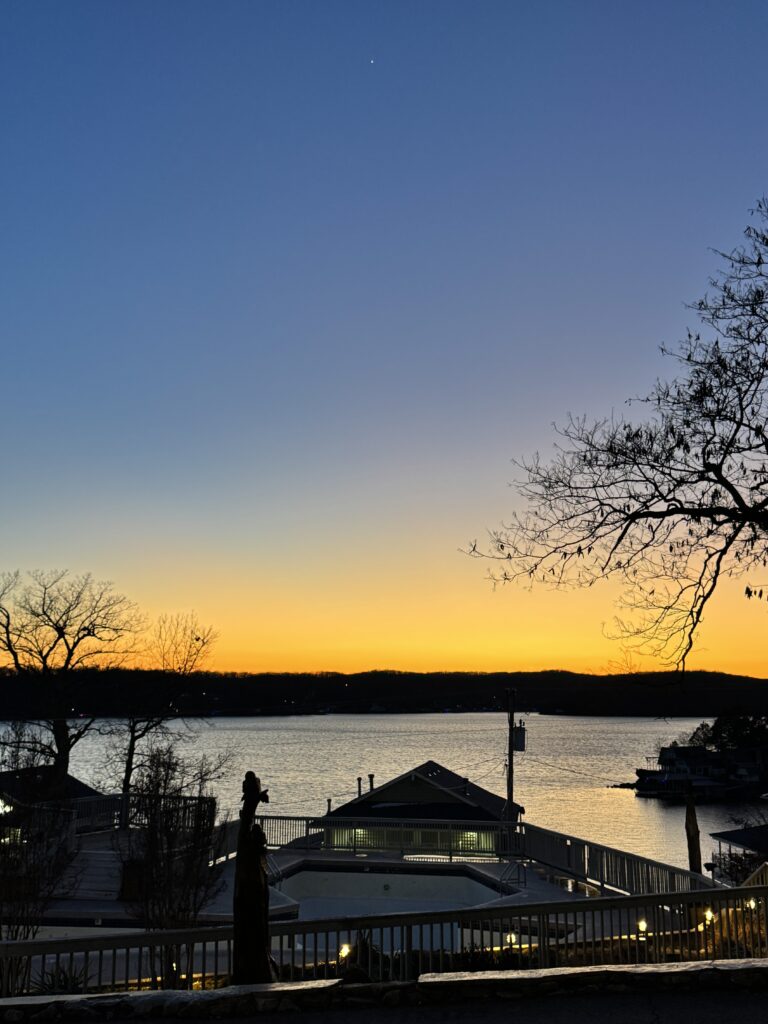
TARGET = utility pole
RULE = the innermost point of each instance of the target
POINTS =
(515, 741)
(510, 753)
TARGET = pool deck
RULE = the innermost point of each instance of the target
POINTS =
(90, 897)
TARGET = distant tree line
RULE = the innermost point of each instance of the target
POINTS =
(136, 694)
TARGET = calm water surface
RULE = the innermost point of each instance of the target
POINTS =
(562, 780)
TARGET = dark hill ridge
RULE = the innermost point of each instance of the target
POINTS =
(121, 692)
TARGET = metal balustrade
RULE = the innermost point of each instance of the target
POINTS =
(606, 866)
(601, 866)
(693, 918)
(647, 929)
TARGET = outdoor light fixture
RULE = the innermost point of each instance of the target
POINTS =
(708, 915)
(642, 925)
(511, 938)
(752, 904)
(345, 950)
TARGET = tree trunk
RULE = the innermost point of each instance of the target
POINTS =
(125, 790)
(61, 739)
(692, 832)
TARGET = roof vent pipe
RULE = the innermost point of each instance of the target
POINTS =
(359, 785)
(370, 780)
(329, 806)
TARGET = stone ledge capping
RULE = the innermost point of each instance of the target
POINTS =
(232, 1001)
(251, 1000)
(712, 974)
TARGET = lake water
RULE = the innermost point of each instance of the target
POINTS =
(562, 779)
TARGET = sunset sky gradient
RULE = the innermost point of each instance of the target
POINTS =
(286, 285)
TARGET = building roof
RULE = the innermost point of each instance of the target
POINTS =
(689, 754)
(468, 800)
(33, 785)
(754, 838)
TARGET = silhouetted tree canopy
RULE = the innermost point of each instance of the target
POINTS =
(731, 731)
(675, 501)
(54, 625)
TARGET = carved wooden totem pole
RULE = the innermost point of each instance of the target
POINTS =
(250, 955)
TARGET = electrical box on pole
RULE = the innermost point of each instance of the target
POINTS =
(518, 737)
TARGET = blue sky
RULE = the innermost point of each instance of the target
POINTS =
(284, 287)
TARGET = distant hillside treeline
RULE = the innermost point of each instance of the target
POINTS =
(121, 692)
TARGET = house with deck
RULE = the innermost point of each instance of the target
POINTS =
(436, 809)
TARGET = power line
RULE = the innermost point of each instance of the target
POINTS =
(574, 771)
(499, 764)
(477, 764)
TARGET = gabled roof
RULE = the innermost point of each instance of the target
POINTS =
(33, 785)
(467, 797)
(753, 838)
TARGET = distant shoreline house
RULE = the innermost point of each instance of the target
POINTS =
(710, 774)
(439, 810)
(742, 855)
(750, 838)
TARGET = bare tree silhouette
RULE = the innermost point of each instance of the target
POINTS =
(675, 502)
(52, 624)
(178, 645)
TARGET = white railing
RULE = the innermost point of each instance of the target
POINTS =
(758, 877)
(605, 866)
(661, 928)
(602, 866)
(608, 868)
(479, 839)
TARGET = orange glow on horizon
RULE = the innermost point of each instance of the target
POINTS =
(454, 627)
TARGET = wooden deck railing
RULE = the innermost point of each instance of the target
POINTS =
(113, 810)
(758, 877)
(660, 928)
